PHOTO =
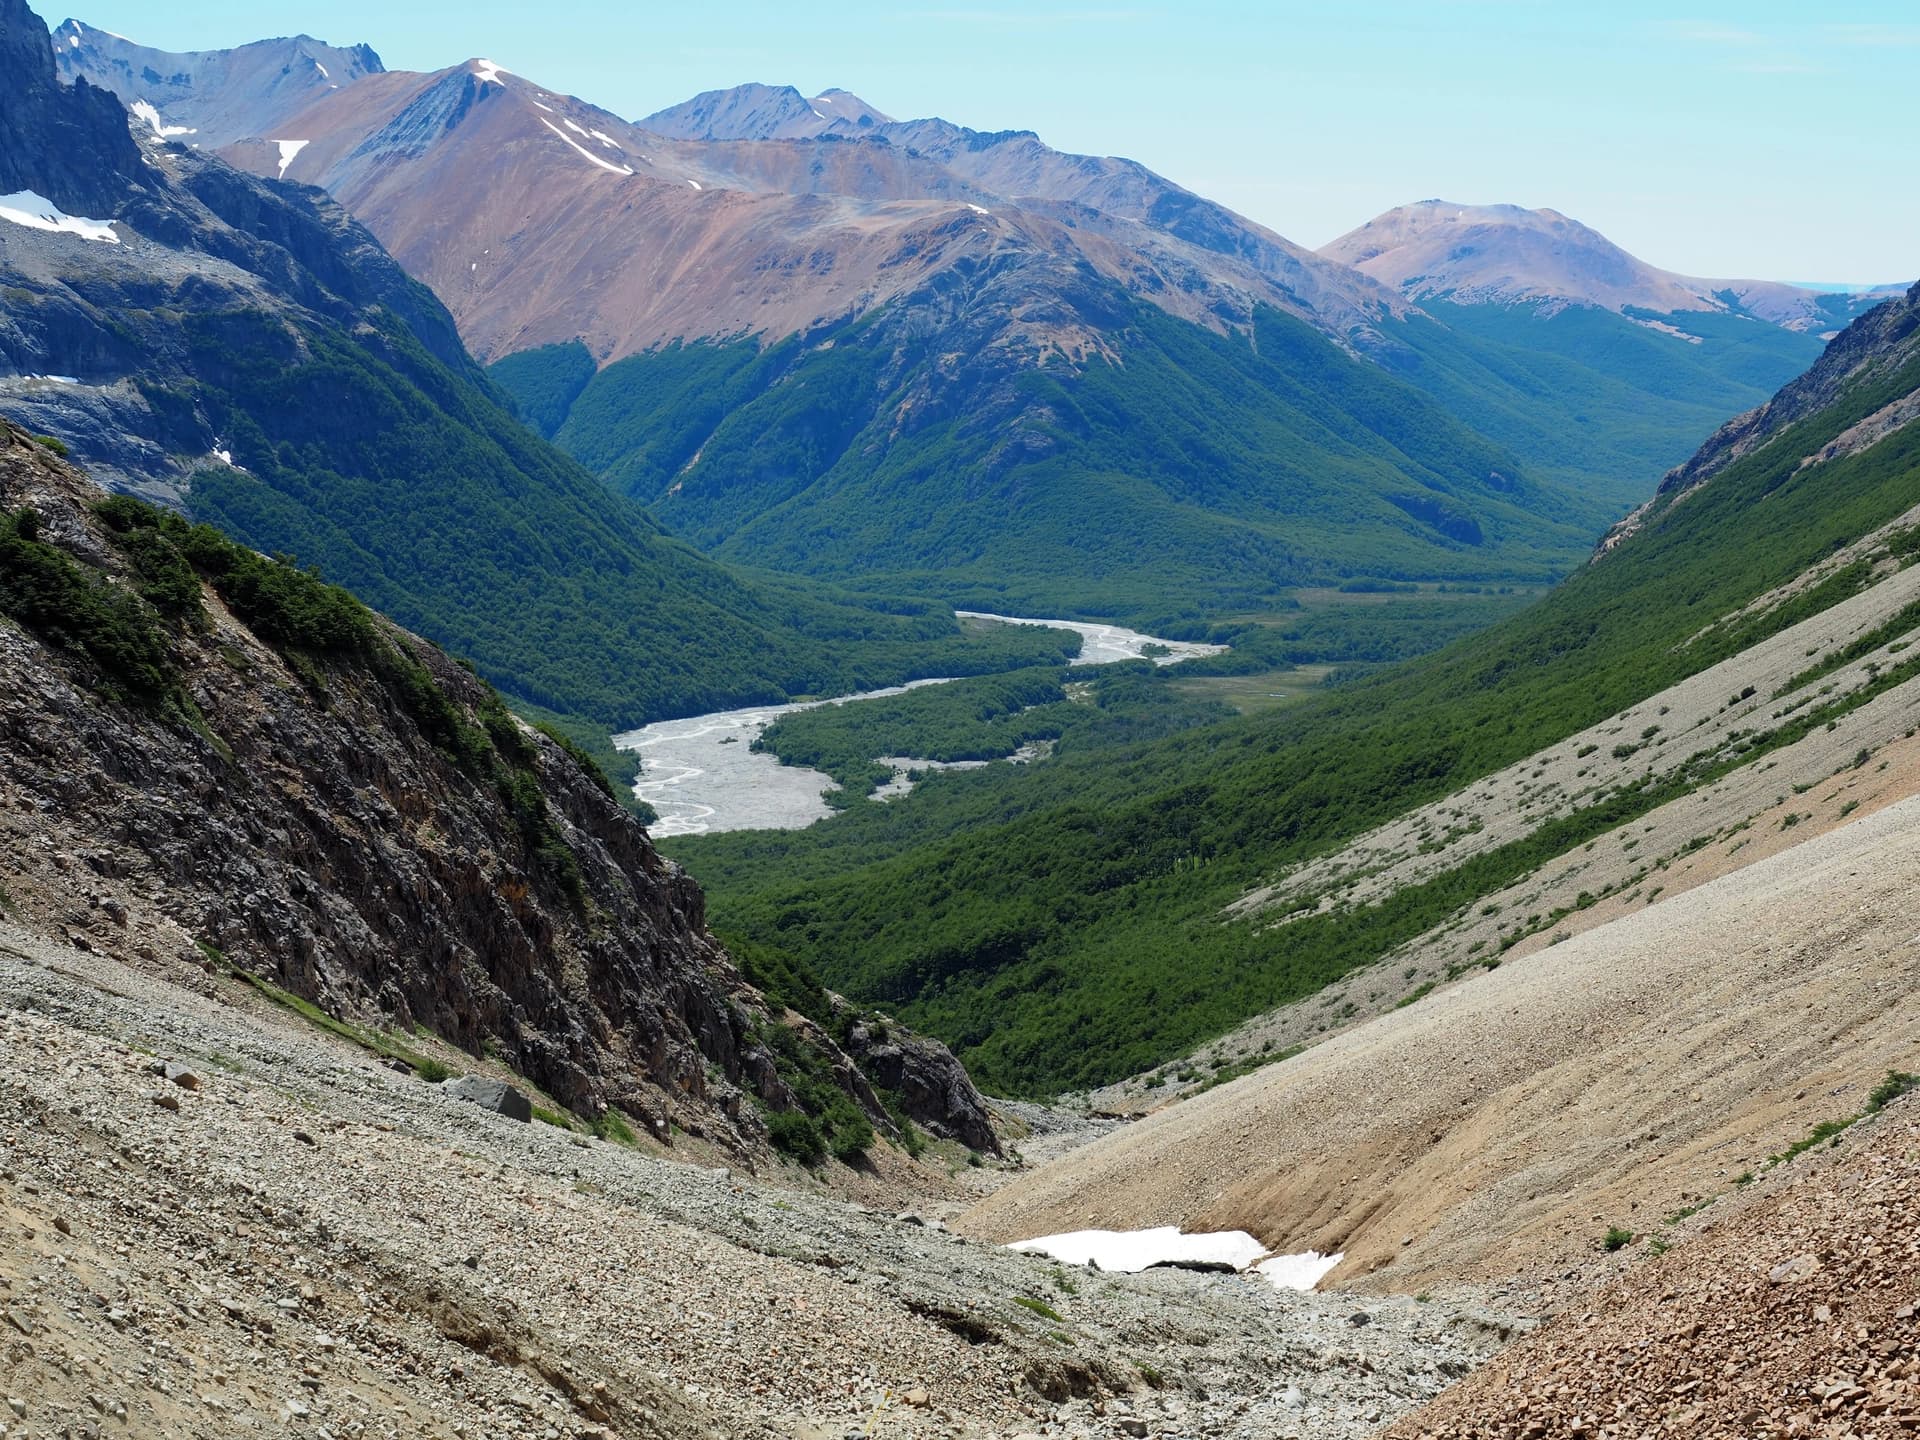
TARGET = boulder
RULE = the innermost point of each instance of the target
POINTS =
(494, 1095)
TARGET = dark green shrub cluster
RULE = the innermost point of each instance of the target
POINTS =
(84, 614)
(830, 1121)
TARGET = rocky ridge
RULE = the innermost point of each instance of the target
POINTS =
(316, 819)
(753, 210)
(1879, 348)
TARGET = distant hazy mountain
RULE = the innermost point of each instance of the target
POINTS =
(1505, 254)
(764, 112)
(214, 92)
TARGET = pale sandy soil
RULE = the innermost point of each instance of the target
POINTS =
(1498, 1128)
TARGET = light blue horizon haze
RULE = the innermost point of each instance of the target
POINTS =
(1728, 141)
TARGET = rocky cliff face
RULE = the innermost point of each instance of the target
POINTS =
(211, 774)
(69, 144)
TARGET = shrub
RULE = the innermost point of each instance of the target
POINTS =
(795, 1135)
(1897, 1083)
(612, 1125)
(77, 611)
(1617, 1239)
(53, 443)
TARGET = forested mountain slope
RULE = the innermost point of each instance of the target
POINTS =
(247, 350)
(1081, 928)
(909, 354)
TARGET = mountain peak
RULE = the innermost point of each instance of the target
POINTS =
(245, 91)
(1509, 254)
(66, 142)
(763, 112)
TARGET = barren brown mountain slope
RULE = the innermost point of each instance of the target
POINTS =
(540, 218)
(1793, 1316)
(1504, 254)
(1499, 1128)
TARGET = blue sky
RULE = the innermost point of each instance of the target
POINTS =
(1721, 140)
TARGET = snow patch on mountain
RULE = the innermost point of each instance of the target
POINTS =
(36, 212)
(144, 110)
(585, 154)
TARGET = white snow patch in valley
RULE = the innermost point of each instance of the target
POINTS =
(538, 106)
(816, 114)
(321, 68)
(978, 209)
(145, 110)
(696, 184)
(605, 139)
(225, 457)
(74, 41)
(587, 155)
(288, 150)
(489, 73)
(36, 212)
(1299, 1272)
(56, 379)
(1127, 1252)
(573, 127)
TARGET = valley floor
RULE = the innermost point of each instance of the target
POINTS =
(304, 1239)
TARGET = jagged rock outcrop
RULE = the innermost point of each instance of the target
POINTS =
(203, 790)
(933, 1087)
(69, 144)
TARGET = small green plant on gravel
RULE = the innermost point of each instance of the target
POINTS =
(1745, 1177)
(53, 443)
(1040, 1308)
(612, 1125)
(1151, 1375)
(1658, 1246)
(1617, 1238)
(1897, 1083)
(1063, 1282)
(551, 1117)
(425, 1067)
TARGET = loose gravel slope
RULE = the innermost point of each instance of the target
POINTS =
(1497, 1130)
(302, 1241)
